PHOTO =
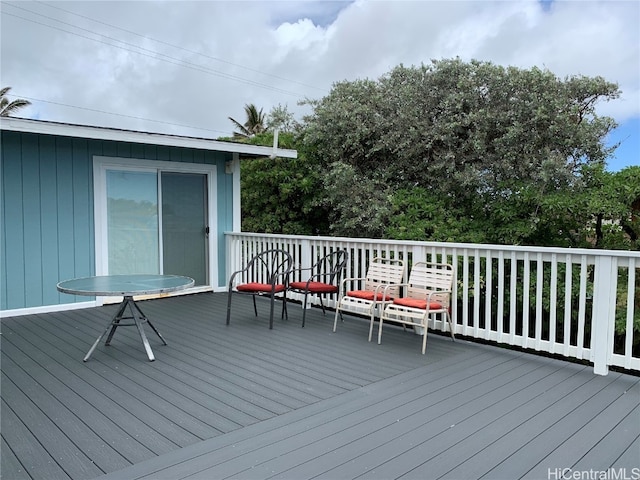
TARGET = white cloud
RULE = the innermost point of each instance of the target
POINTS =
(213, 57)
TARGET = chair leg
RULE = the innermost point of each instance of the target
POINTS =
(229, 306)
(304, 308)
(271, 312)
(335, 320)
(371, 323)
(451, 330)
(324, 312)
(284, 306)
(379, 331)
(424, 340)
(255, 309)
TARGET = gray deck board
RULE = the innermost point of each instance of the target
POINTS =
(607, 449)
(245, 402)
(10, 463)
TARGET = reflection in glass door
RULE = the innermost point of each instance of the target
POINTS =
(132, 222)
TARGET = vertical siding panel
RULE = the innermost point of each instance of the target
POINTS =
(3, 230)
(123, 150)
(176, 154)
(109, 148)
(83, 209)
(31, 214)
(13, 240)
(224, 214)
(95, 147)
(163, 153)
(137, 150)
(49, 220)
(150, 152)
(64, 181)
(197, 156)
(186, 155)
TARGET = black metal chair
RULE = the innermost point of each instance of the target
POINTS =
(324, 279)
(266, 274)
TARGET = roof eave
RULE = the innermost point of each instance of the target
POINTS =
(104, 133)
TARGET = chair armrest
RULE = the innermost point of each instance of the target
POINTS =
(439, 292)
(300, 269)
(343, 283)
(233, 276)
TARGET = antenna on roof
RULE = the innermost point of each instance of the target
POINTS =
(275, 144)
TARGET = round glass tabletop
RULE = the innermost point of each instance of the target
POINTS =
(125, 285)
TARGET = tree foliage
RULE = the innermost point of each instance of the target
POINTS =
(8, 108)
(280, 118)
(280, 195)
(486, 145)
(254, 124)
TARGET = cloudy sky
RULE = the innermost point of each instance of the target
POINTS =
(184, 67)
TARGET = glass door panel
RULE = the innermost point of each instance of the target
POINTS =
(132, 222)
(184, 225)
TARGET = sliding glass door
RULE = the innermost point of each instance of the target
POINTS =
(154, 220)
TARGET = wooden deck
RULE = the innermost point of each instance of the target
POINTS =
(244, 402)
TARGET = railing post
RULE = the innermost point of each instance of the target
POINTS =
(603, 319)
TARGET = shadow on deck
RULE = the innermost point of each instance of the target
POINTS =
(241, 401)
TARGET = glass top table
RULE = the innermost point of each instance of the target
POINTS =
(126, 286)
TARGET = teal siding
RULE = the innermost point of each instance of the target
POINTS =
(13, 274)
(47, 232)
(31, 193)
(65, 260)
(225, 216)
(83, 227)
(49, 218)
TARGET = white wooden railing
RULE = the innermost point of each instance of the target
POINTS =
(555, 300)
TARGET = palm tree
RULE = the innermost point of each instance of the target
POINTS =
(6, 107)
(255, 122)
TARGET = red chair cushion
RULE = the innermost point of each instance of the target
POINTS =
(417, 303)
(314, 287)
(367, 295)
(259, 287)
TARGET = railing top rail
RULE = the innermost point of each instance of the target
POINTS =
(469, 246)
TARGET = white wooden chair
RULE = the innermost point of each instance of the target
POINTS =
(362, 295)
(428, 292)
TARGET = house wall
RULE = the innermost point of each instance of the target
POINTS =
(47, 209)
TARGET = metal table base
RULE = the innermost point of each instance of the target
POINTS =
(138, 317)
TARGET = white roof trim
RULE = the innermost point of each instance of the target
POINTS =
(103, 133)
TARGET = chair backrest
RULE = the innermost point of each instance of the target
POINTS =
(428, 278)
(383, 271)
(269, 266)
(329, 268)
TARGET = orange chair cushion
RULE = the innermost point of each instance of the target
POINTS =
(367, 295)
(314, 287)
(417, 303)
(259, 287)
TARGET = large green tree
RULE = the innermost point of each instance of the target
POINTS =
(489, 143)
(281, 195)
(8, 108)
